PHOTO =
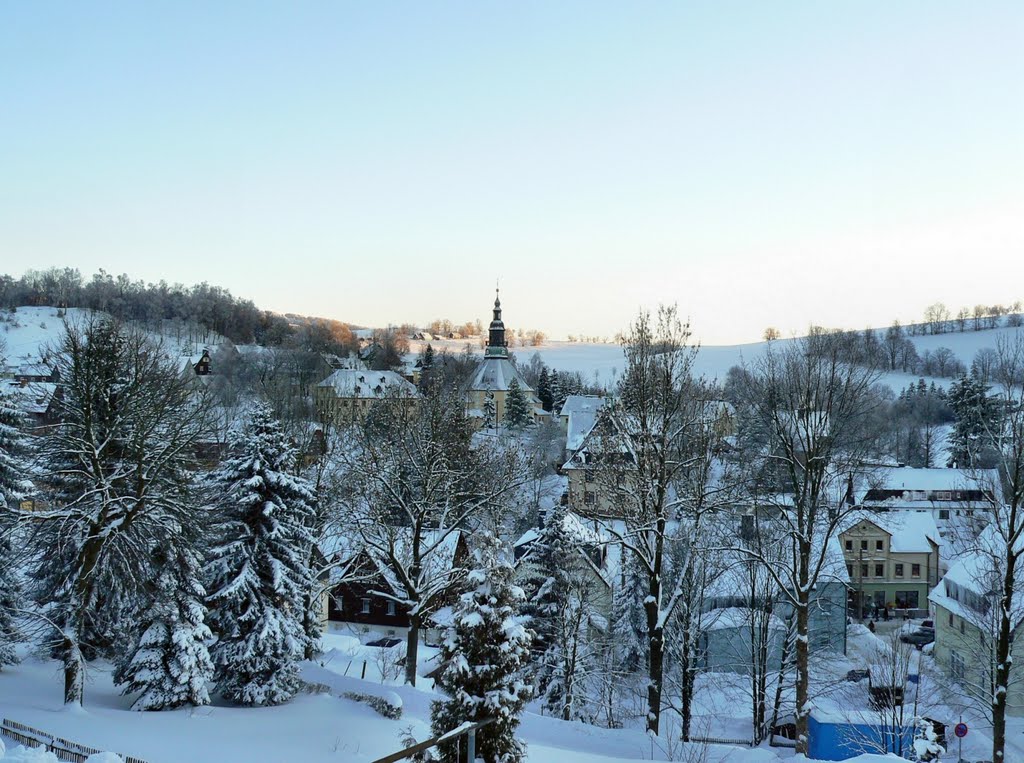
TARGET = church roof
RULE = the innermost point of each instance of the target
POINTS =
(495, 374)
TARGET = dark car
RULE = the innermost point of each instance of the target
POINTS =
(919, 637)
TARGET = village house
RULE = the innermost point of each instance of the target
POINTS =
(347, 395)
(953, 497)
(363, 594)
(577, 418)
(729, 612)
(38, 403)
(964, 604)
(892, 559)
(197, 363)
(600, 469)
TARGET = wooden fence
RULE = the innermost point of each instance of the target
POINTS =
(467, 730)
(64, 749)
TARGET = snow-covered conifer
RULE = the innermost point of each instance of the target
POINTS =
(517, 407)
(169, 663)
(12, 489)
(544, 392)
(485, 653)
(259, 569)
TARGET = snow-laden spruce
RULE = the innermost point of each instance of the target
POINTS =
(116, 478)
(485, 652)
(169, 663)
(258, 568)
(12, 490)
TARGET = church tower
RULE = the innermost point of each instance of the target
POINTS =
(497, 347)
(495, 374)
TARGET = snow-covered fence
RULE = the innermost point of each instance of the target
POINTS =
(64, 749)
(719, 740)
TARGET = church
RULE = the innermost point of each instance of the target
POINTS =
(488, 390)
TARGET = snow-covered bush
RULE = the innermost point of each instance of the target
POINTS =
(388, 704)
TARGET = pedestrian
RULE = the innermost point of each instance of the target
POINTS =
(885, 613)
(871, 625)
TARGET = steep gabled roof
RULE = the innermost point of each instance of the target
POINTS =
(495, 374)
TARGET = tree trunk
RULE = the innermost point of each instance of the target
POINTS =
(654, 676)
(412, 648)
(1003, 664)
(687, 677)
(802, 677)
(74, 672)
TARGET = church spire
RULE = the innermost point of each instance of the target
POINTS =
(496, 344)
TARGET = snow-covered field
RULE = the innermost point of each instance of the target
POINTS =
(604, 363)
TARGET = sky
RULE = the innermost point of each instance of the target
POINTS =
(783, 164)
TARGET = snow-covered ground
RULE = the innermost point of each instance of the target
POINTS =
(312, 728)
(325, 727)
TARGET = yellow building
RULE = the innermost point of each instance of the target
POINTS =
(347, 395)
(892, 559)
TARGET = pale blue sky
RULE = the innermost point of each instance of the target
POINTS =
(760, 163)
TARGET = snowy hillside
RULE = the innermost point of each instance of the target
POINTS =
(604, 362)
(27, 333)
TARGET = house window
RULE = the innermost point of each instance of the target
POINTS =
(899, 570)
(943, 513)
(879, 545)
(956, 666)
(589, 498)
(961, 627)
(863, 545)
(879, 570)
(915, 570)
(366, 607)
(950, 619)
(849, 570)
(863, 570)
(907, 600)
(943, 495)
(391, 608)
(849, 545)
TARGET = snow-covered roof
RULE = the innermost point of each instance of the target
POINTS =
(607, 438)
(38, 369)
(579, 414)
(495, 374)
(438, 549)
(347, 382)
(34, 397)
(913, 481)
(909, 531)
(722, 618)
(253, 349)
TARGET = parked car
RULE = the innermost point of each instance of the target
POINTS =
(919, 637)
